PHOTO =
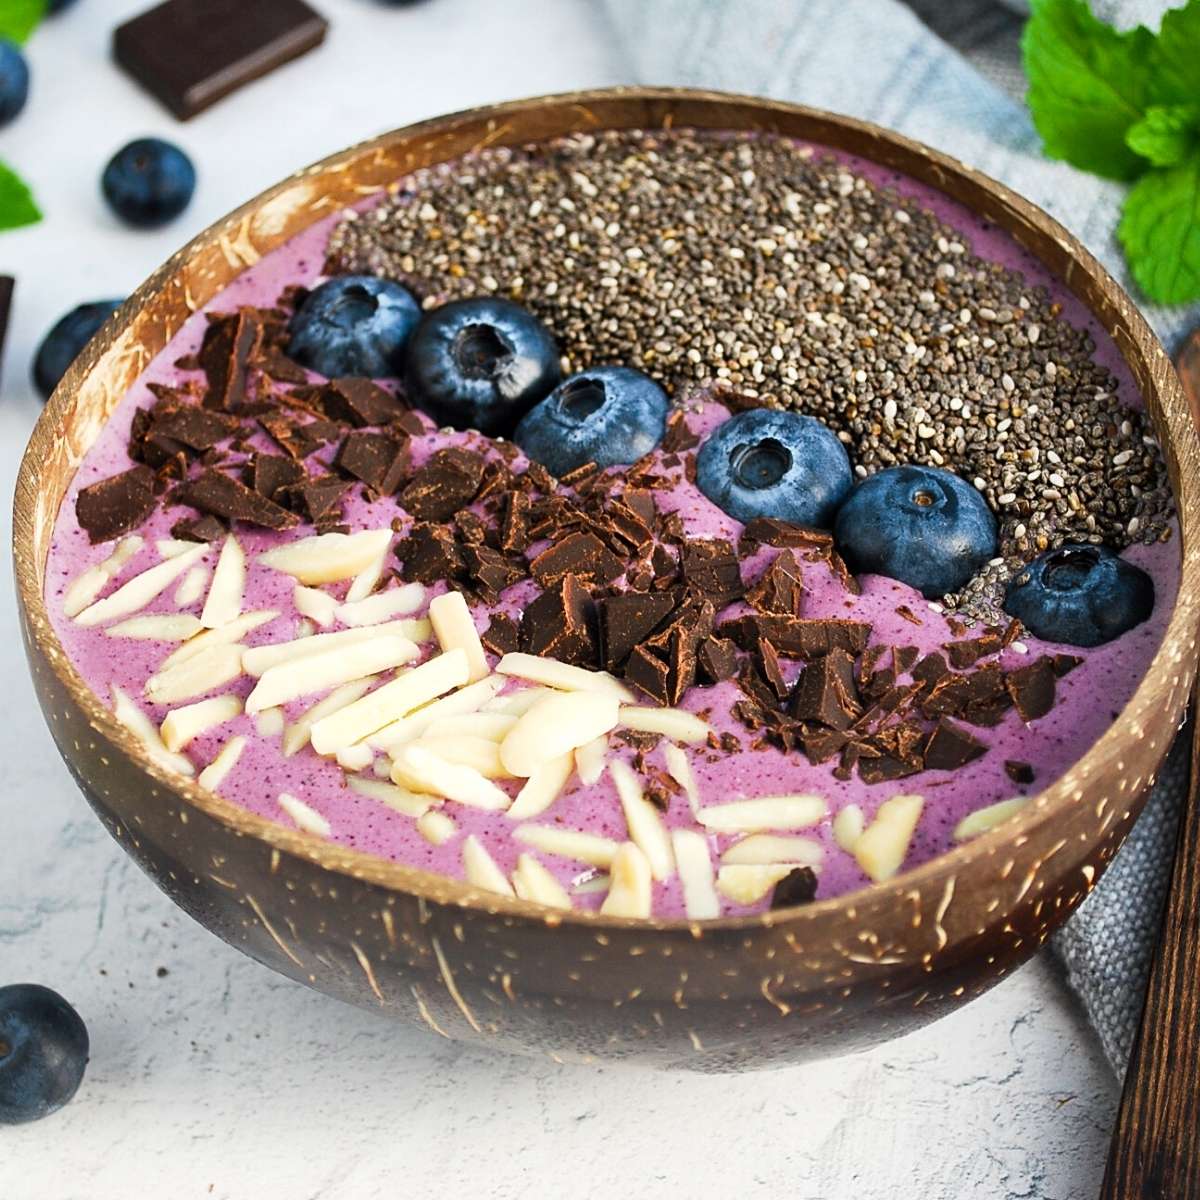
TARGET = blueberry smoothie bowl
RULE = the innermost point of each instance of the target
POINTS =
(646, 575)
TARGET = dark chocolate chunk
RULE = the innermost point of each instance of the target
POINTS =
(197, 428)
(772, 672)
(902, 610)
(627, 619)
(278, 366)
(580, 554)
(7, 283)
(271, 473)
(716, 659)
(1032, 688)
(191, 53)
(1018, 771)
(780, 588)
(798, 637)
(379, 460)
(645, 670)
(964, 655)
(430, 554)
(285, 431)
(514, 525)
(115, 505)
(951, 747)
(229, 341)
(199, 529)
(1064, 664)
(821, 744)
(930, 669)
(490, 570)
(798, 886)
(904, 658)
(677, 437)
(711, 567)
(769, 531)
(447, 482)
(826, 693)
(886, 767)
(560, 624)
(321, 499)
(956, 694)
(360, 402)
(501, 637)
(223, 496)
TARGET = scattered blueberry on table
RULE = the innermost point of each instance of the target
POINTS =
(481, 364)
(148, 182)
(14, 81)
(764, 463)
(921, 525)
(354, 325)
(609, 415)
(57, 6)
(43, 1053)
(67, 337)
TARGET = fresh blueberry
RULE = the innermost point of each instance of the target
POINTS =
(922, 526)
(354, 325)
(67, 337)
(763, 463)
(43, 1053)
(149, 182)
(14, 80)
(481, 364)
(609, 416)
(1080, 594)
(57, 6)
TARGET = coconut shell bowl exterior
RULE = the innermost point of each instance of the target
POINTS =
(833, 976)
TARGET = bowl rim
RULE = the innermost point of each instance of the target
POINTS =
(938, 872)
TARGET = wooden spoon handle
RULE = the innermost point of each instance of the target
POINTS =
(1155, 1153)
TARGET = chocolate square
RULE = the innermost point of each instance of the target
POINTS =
(430, 554)
(360, 402)
(223, 496)
(560, 624)
(627, 619)
(580, 554)
(229, 341)
(1032, 688)
(446, 483)
(826, 692)
(951, 747)
(115, 505)
(380, 460)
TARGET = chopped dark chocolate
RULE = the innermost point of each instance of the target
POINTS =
(229, 341)
(950, 747)
(625, 620)
(430, 553)
(1064, 664)
(798, 886)
(645, 670)
(502, 636)
(904, 658)
(223, 496)
(886, 767)
(489, 570)
(930, 669)
(769, 531)
(199, 529)
(320, 499)
(360, 402)
(825, 692)
(902, 610)
(580, 554)
(116, 505)
(268, 474)
(964, 655)
(514, 524)
(716, 660)
(560, 624)
(772, 672)
(1019, 772)
(798, 637)
(711, 567)
(196, 427)
(380, 460)
(1032, 688)
(447, 482)
(780, 588)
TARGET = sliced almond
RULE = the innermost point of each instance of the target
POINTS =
(762, 849)
(561, 676)
(319, 607)
(556, 725)
(492, 726)
(367, 580)
(218, 770)
(588, 848)
(591, 885)
(455, 629)
(305, 816)
(355, 758)
(204, 672)
(983, 819)
(386, 704)
(694, 861)
(140, 725)
(193, 587)
(591, 758)
(670, 722)
(139, 591)
(261, 659)
(165, 627)
(531, 881)
(383, 606)
(84, 589)
(328, 557)
(436, 827)
(225, 636)
(848, 824)
(401, 800)
(481, 754)
(270, 722)
(766, 812)
(173, 547)
(645, 823)
(381, 768)
(881, 849)
(629, 890)
(295, 736)
(183, 725)
(542, 788)
(466, 700)
(417, 768)
(516, 704)
(481, 870)
(224, 601)
(749, 884)
(680, 770)
(318, 672)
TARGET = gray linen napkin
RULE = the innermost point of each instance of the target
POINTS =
(877, 59)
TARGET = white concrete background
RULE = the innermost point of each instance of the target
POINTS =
(212, 1077)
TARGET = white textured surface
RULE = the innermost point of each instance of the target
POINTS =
(220, 1079)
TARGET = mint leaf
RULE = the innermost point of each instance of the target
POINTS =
(1166, 135)
(1087, 85)
(17, 206)
(19, 18)
(1179, 55)
(1160, 230)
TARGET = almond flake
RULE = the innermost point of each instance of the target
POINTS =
(848, 824)
(455, 630)
(261, 659)
(226, 635)
(367, 580)
(140, 725)
(319, 607)
(695, 874)
(680, 770)
(767, 812)
(436, 827)
(328, 557)
(140, 590)
(383, 606)
(881, 849)
(270, 722)
(173, 547)
(517, 704)
(646, 828)
(467, 700)
(591, 885)
(224, 601)
(305, 817)
(493, 726)
(183, 725)
(562, 676)
(763, 849)
(481, 754)
(194, 585)
(629, 887)
(588, 848)
(749, 884)
(422, 771)
(388, 703)
(295, 736)
(542, 788)
(983, 819)
(481, 870)
(670, 722)
(167, 627)
(534, 883)
(401, 800)
(555, 725)
(591, 758)
(203, 672)
(355, 758)
(218, 770)
(86, 586)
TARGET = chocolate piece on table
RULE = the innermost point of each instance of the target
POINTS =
(798, 886)
(360, 402)
(446, 483)
(223, 496)
(583, 555)
(1032, 688)
(7, 283)
(379, 460)
(206, 528)
(502, 636)
(560, 624)
(825, 692)
(191, 53)
(116, 505)
(627, 619)
(950, 747)
(716, 659)
(229, 342)
(1019, 772)
(268, 474)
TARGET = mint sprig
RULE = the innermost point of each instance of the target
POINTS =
(1127, 106)
(18, 19)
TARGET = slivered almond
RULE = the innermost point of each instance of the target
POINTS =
(531, 881)
(749, 884)
(183, 725)
(218, 770)
(139, 591)
(192, 588)
(305, 816)
(261, 659)
(436, 827)
(466, 700)
(226, 635)
(381, 768)
(646, 828)
(516, 704)
(328, 557)
(383, 606)
(422, 771)
(542, 788)
(318, 606)
(224, 601)
(401, 800)
(203, 672)
(670, 722)
(455, 629)
(295, 736)
(983, 819)
(165, 627)
(270, 722)
(598, 882)
(556, 725)
(318, 672)
(629, 889)
(680, 770)
(388, 703)
(355, 758)
(590, 759)
(367, 580)
(766, 812)
(881, 849)
(694, 861)
(763, 849)
(481, 870)
(140, 725)
(588, 848)
(848, 824)
(84, 589)
(561, 676)
(481, 754)
(493, 726)
(173, 547)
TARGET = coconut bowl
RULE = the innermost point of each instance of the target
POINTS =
(830, 977)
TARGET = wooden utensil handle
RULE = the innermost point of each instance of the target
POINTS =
(1155, 1152)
